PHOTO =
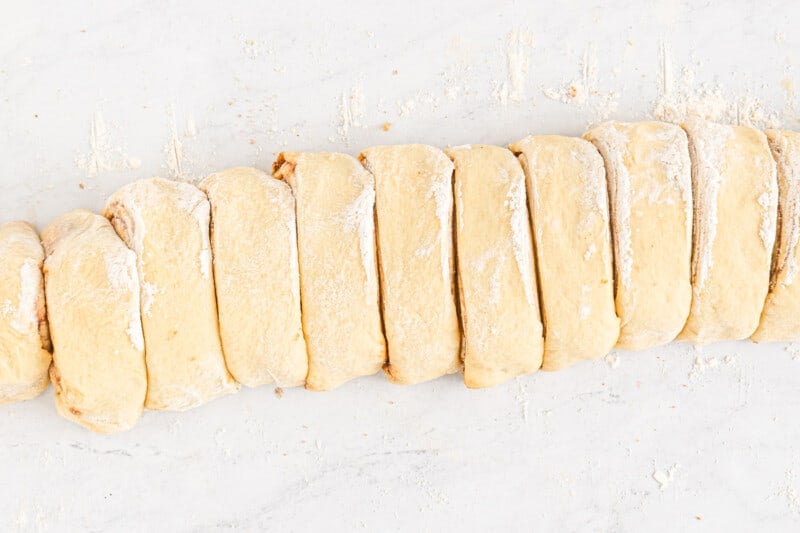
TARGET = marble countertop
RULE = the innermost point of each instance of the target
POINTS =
(96, 94)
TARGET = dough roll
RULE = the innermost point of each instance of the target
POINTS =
(24, 339)
(92, 289)
(568, 203)
(650, 191)
(254, 244)
(735, 209)
(166, 223)
(334, 203)
(414, 208)
(496, 275)
(780, 318)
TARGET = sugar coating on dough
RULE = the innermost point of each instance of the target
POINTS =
(735, 194)
(256, 276)
(780, 318)
(166, 223)
(24, 338)
(334, 199)
(568, 202)
(496, 275)
(414, 205)
(92, 289)
(650, 190)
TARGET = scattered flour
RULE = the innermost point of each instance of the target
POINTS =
(793, 350)
(682, 97)
(584, 92)
(105, 153)
(665, 477)
(173, 149)
(351, 111)
(518, 46)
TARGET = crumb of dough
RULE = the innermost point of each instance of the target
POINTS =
(279, 392)
(386, 126)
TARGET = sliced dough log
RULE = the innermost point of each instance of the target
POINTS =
(166, 223)
(650, 188)
(24, 339)
(496, 274)
(568, 202)
(780, 318)
(92, 290)
(735, 210)
(254, 244)
(414, 206)
(339, 290)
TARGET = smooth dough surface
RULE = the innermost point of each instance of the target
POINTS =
(167, 224)
(414, 207)
(335, 198)
(92, 290)
(254, 246)
(650, 191)
(780, 318)
(24, 339)
(568, 203)
(496, 274)
(735, 209)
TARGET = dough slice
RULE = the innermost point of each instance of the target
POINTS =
(650, 188)
(414, 206)
(166, 223)
(254, 243)
(496, 274)
(568, 202)
(735, 209)
(92, 289)
(780, 318)
(24, 339)
(339, 290)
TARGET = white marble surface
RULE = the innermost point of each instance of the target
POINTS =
(96, 94)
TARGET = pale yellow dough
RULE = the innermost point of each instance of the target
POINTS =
(92, 289)
(496, 275)
(24, 340)
(650, 190)
(735, 209)
(254, 244)
(780, 318)
(414, 207)
(167, 224)
(339, 290)
(568, 203)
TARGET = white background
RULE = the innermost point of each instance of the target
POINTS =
(97, 94)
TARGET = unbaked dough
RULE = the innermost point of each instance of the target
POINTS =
(92, 287)
(568, 203)
(735, 209)
(24, 340)
(254, 244)
(650, 191)
(339, 290)
(780, 318)
(166, 223)
(496, 275)
(414, 207)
